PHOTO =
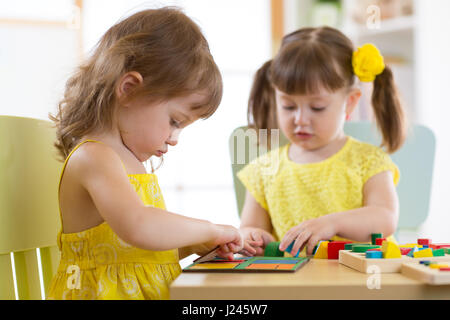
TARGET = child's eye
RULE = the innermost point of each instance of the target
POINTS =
(317, 109)
(289, 108)
(174, 123)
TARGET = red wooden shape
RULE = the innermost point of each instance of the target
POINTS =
(334, 247)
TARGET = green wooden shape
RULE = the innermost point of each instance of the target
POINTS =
(415, 160)
(364, 247)
(375, 236)
(29, 214)
(438, 252)
(272, 250)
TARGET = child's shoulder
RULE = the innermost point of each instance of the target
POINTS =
(364, 149)
(93, 156)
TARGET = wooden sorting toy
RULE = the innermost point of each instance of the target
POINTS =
(249, 264)
(274, 260)
(393, 256)
(430, 272)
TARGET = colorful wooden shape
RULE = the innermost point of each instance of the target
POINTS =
(379, 241)
(364, 247)
(334, 248)
(411, 253)
(438, 266)
(289, 249)
(370, 254)
(262, 266)
(438, 252)
(428, 252)
(348, 246)
(322, 250)
(410, 245)
(375, 236)
(424, 241)
(272, 250)
(444, 269)
(390, 250)
(405, 251)
(285, 266)
(215, 265)
(439, 245)
(275, 261)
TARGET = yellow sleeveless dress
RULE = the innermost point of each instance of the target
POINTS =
(97, 264)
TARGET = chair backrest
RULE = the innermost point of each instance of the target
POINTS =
(415, 160)
(29, 216)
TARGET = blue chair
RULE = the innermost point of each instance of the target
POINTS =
(415, 160)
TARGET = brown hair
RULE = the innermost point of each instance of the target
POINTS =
(165, 46)
(314, 58)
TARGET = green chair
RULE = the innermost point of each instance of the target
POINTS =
(415, 160)
(29, 216)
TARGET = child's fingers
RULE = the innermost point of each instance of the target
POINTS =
(300, 242)
(287, 239)
(311, 244)
(249, 248)
(257, 238)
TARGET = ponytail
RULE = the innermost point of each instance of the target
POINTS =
(388, 111)
(261, 104)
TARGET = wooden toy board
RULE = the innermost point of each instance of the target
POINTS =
(424, 273)
(249, 264)
(358, 261)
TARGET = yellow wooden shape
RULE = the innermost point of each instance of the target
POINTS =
(390, 250)
(29, 176)
(410, 245)
(322, 250)
(437, 266)
(425, 253)
(215, 265)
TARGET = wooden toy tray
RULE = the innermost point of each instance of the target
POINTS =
(358, 261)
(424, 273)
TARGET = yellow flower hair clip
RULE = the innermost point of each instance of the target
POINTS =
(367, 62)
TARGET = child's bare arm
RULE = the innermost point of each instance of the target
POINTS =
(379, 214)
(101, 173)
(256, 225)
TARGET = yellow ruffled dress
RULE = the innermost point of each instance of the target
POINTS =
(97, 264)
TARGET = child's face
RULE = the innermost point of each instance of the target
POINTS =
(148, 130)
(314, 121)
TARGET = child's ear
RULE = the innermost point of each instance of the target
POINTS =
(352, 101)
(127, 83)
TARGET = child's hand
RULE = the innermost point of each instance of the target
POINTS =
(228, 238)
(257, 239)
(309, 233)
(234, 242)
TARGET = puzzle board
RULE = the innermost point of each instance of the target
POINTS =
(424, 273)
(358, 261)
(249, 264)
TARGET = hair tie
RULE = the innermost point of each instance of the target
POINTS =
(367, 62)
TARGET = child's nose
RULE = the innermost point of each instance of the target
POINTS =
(301, 117)
(173, 138)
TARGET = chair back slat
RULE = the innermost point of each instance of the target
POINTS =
(27, 275)
(6, 278)
(50, 257)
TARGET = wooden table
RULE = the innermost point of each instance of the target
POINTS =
(318, 279)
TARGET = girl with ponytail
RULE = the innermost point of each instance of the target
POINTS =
(327, 185)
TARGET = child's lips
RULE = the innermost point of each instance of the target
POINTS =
(303, 135)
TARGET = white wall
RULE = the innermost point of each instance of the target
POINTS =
(433, 85)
